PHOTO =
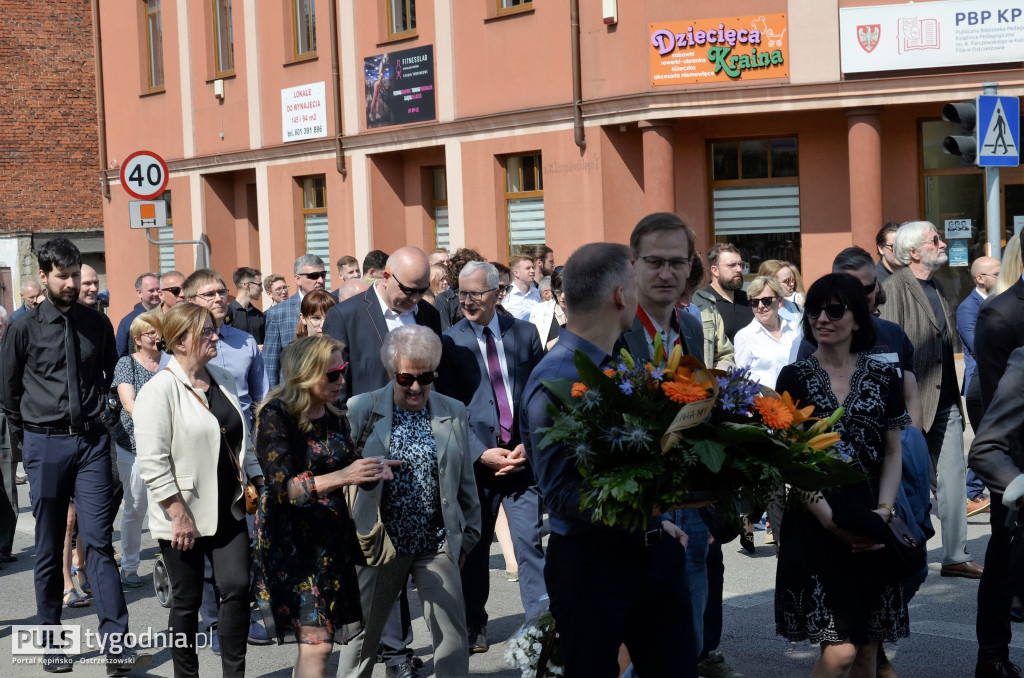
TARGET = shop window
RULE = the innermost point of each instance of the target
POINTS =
(304, 23)
(223, 38)
(401, 18)
(512, 6)
(154, 46)
(166, 252)
(524, 201)
(439, 205)
(756, 198)
(314, 221)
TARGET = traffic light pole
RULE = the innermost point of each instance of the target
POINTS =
(993, 227)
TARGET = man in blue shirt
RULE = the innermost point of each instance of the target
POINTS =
(31, 295)
(147, 286)
(603, 582)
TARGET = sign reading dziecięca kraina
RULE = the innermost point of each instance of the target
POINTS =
(931, 35)
(719, 50)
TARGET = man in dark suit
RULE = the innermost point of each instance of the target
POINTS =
(361, 323)
(487, 361)
(283, 318)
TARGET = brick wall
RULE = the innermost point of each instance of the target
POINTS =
(48, 131)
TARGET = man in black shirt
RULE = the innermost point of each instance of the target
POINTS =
(55, 372)
(242, 314)
(726, 287)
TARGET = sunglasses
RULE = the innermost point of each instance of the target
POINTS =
(176, 291)
(934, 241)
(868, 289)
(315, 275)
(408, 291)
(424, 378)
(334, 375)
(834, 312)
(762, 301)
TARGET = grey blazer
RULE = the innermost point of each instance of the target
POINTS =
(460, 504)
(635, 338)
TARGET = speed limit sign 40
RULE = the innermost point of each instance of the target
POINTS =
(144, 175)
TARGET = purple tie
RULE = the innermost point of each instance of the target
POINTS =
(498, 383)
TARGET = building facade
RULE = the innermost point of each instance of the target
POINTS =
(791, 128)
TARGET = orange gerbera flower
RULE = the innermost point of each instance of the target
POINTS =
(800, 414)
(609, 373)
(578, 389)
(774, 412)
(683, 391)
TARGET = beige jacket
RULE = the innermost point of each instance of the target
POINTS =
(718, 350)
(177, 440)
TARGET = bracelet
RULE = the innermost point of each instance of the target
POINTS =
(890, 508)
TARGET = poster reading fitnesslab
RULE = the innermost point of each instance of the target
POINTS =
(400, 87)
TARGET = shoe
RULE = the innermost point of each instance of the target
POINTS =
(769, 537)
(20, 480)
(120, 664)
(132, 580)
(79, 574)
(976, 506)
(747, 542)
(1003, 668)
(406, 670)
(512, 575)
(257, 633)
(715, 666)
(57, 662)
(1016, 610)
(214, 639)
(970, 570)
(883, 668)
(478, 642)
(8, 558)
(74, 599)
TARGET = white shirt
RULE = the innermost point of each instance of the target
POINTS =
(391, 318)
(481, 342)
(519, 304)
(668, 339)
(765, 355)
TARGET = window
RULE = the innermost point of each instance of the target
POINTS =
(510, 6)
(524, 201)
(223, 40)
(314, 221)
(442, 237)
(166, 252)
(401, 18)
(756, 198)
(305, 28)
(154, 46)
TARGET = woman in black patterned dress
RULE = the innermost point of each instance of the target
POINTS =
(306, 548)
(831, 585)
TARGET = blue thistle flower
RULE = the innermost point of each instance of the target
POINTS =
(614, 436)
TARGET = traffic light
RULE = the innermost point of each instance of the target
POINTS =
(965, 144)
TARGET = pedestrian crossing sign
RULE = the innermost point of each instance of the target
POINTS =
(998, 131)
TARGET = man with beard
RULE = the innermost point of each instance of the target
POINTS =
(915, 301)
(55, 372)
(726, 287)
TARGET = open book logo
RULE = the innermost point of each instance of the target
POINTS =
(916, 34)
(867, 36)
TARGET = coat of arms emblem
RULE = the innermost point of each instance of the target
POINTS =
(867, 36)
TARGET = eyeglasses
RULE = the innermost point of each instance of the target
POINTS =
(657, 263)
(834, 312)
(475, 296)
(889, 245)
(176, 291)
(424, 378)
(316, 320)
(762, 301)
(934, 241)
(314, 275)
(208, 332)
(502, 289)
(408, 291)
(334, 375)
(737, 264)
(152, 334)
(868, 289)
(210, 296)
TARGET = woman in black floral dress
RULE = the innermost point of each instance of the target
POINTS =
(306, 549)
(831, 585)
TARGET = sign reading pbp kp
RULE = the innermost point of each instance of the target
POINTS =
(144, 175)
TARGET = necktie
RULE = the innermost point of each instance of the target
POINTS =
(71, 357)
(498, 383)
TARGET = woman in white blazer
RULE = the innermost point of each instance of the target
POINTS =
(188, 426)
(431, 510)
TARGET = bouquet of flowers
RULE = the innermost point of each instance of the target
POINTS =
(647, 437)
(534, 648)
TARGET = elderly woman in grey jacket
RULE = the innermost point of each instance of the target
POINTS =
(194, 455)
(431, 510)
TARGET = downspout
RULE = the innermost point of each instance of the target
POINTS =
(97, 45)
(339, 152)
(577, 85)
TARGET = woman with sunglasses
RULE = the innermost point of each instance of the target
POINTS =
(431, 511)
(832, 583)
(131, 373)
(312, 313)
(306, 548)
(194, 455)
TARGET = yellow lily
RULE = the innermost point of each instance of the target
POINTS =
(800, 414)
(823, 441)
(626, 358)
(821, 426)
(673, 359)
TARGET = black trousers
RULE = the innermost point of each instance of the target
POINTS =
(606, 591)
(997, 586)
(713, 609)
(228, 550)
(8, 491)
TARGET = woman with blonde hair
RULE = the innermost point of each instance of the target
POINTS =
(312, 313)
(1011, 267)
(788, 276)
(306, 548)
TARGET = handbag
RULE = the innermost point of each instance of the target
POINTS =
(905, 555)
(364, 507)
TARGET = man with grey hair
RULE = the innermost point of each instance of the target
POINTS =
(283, 318)
(31, 294)
(916, 302)
(636, 606)
(147, 286)
(487, 363)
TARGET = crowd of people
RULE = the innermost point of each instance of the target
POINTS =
(302, 464)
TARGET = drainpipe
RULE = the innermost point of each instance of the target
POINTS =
(577, 86)
(97, 46)
(339, 152)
